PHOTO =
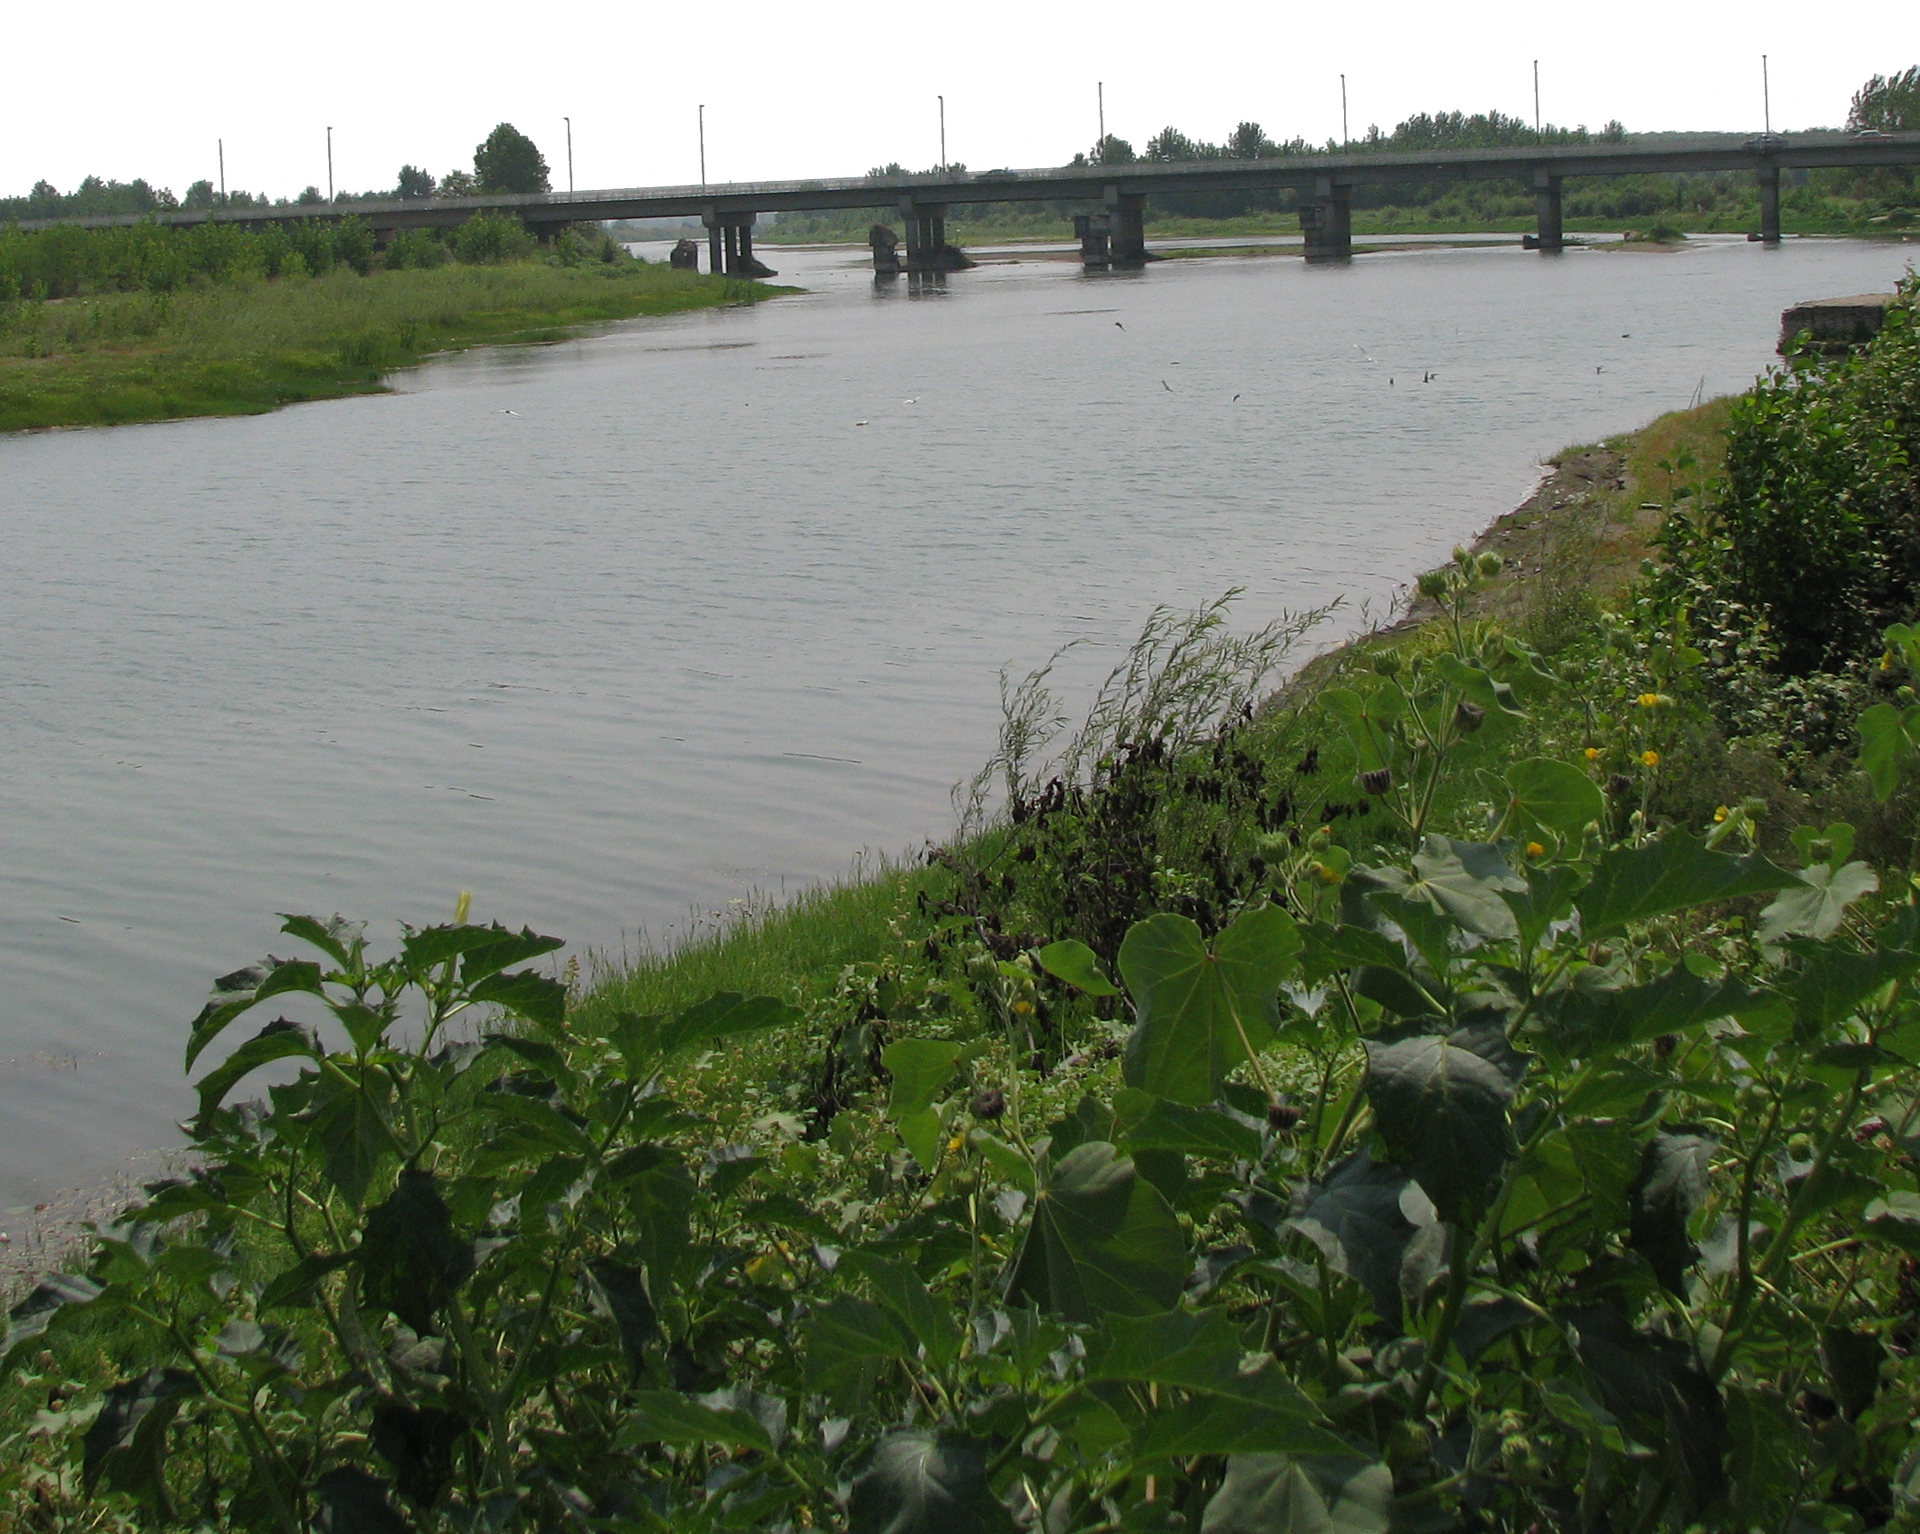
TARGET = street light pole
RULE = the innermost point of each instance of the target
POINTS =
(943, 133)
(569, 122)
(1345, 137)
(703, 144)
(1101, 90)
(223, 168)
(329, 162)
(1536, 103)
(1766, 96)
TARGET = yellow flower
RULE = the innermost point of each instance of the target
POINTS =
(1535, 850)
(1023, 1007)
(1649, 758)
(1593, 753)
(1649, 700)
(957, 1144)
(1720, 815)
(1325, 874)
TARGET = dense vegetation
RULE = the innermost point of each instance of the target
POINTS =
(1477, 1090)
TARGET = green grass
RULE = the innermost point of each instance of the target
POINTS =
(248, 347)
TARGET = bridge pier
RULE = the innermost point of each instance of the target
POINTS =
(730, 246)
(1093, 231)
(1328, 222)
(1127, 227)
(1546, 204)
(927, 247)
(1770, 204)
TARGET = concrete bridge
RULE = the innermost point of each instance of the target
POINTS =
(1110, 200)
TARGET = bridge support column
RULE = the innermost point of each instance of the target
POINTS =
(1770, 204)
(1127, 223)
(1546, 204)
(1328, 223)
(1093, 231)
(927, 248)
(730, 246)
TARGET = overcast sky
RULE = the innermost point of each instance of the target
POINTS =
(122, 90)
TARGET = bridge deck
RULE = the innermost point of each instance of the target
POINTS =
(1095, 184)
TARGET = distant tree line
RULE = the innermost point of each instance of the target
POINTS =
(505, 161)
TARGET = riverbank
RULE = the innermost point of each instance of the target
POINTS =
(247, 347)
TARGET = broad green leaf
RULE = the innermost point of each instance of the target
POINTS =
(335, 937)
(620, 1290)
(410, 1263)
(1285, 1494)
(915, 1482)
(509, 949)
(1886, 745)
(1634, 884)
(279, 1040)
(1211, 1424)
(1200, 1351)
(1608, 1156)
(1465, 882)
(354, 1502)
(1834, 982)
(296, 1284)
(354, 1139)
(899, 1289)
(539, 1000)
(1328, 950)
(429, 947)
(1442, 1109)
(418, 1441)
(365, 1025)
(724, 1015)
(735, 1419)
(553, 1127)
(127, 1444)
(849, 1341)
(1102, 1241)
(1195, 1003)
(1359, 1219)
(1478, 685)
(53, 1295)
(1548, 898)
(1367, 720)
(1670, 1186)
(1556, 795)
(921, 1069)
(1074, 962)
(1818, 905)
(1143, 1122)
(1894, 1219)
(244, 988)
(1655, 1387)
(1852, 1362)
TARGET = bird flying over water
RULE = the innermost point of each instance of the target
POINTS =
(1167, 386)
(1118, 326)
(1231, 401)
(510, 412)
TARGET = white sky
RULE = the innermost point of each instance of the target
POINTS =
(122, 89)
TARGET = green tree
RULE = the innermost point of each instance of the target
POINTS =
(509, 161)
(199, 195)
(415, 182)
(1889, 103)
(1113, 150)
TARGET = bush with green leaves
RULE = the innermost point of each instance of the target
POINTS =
(1818, 521)
(1536, 1165)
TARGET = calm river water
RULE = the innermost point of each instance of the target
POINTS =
(616, 631)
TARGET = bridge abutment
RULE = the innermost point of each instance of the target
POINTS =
(1327, 222)
(1127, 227)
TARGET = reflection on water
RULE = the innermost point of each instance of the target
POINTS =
(613, 631)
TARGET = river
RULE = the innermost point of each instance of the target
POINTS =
(616, 632)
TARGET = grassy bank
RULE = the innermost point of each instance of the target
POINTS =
(251, 345)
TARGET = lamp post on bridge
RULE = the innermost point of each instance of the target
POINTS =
(1539, 135)
(1345, 137)
(223, 168)
(329, 162)
(1766, 99)
(703, 145)
(943, 133)
(1100, 94)
(569, 122)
